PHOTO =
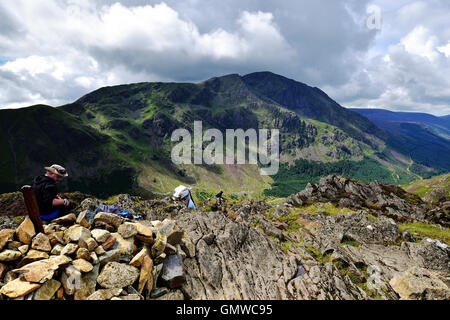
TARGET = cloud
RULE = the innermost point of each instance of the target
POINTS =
(55, 51)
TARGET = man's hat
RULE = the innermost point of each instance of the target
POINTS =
(57, 169)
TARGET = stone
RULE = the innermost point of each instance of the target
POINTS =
(89, 204)
(109, 218)
(71, 280)
(9, 255)
(74, 233)
(158, 292)
(100, 235)
(18, 288)
(87, 284)
(81, 219)
(65, 220)
(34, 255)
(5, 236)
(130, 297)
(127, 230)
(57, 249)
(3, 270)
(14, 245)
(173, 275)
(125, 246)
(25, 232)
(23, 249)
(91, 244)
(99, 250)
(110, 256)
(105, 294)
(188, 247)
(94, 258)
(82, 265)
(82, 243)
(144, 230)
(109, 242)
(172, 296)
(9, 276)
(160, 244)
(41, 242)
(137, 260)
(56, 237)
(145, 274)
(69, 249)
(170, 249)
(47, 290)
(419, 284)
(83, 253)
(144, 239)
(42, 270)
(117, 275)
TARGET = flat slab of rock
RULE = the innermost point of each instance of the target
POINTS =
(26, 231)
(9, 255)
(43, 270)
(100, 235)
(108, 218)
(47, 290)
(127, 230)
(18, 288)
(75, 233)
(83, 265)
(419, 284)
(105, 294)
(117, 275)
(65, 220)
(125, 246)
(5, 236)
(41, 242)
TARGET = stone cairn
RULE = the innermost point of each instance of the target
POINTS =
(87, 257)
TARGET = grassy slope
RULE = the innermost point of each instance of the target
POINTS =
(429, 189)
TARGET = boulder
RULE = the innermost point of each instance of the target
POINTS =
(18, 288)
(5, 236)
(100, 235)
(41, 242)
(75, 233)
(108, 218)
(127, 230)
(25, 232)
(419, 284)
(9, 255)
(47, 290)
(117, 275)
(173, 275)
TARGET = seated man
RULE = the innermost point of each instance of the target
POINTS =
(51, 205)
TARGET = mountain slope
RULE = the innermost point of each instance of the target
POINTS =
(121, 136)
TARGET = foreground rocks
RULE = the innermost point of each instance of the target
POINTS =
(101, 259)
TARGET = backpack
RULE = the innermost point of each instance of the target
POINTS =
(184, 194)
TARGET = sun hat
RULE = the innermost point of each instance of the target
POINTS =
(57, 169)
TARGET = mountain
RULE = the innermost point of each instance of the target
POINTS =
(437, 125)
(432, 190)
(118, 139)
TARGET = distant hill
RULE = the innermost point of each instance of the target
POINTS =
(431, 189)
(117, 139)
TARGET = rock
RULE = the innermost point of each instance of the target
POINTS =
(144, 230)
(117, 275)
(41, 242)
(169, 228)
(91, 244)
(407, 236)
(83, 253)
(188, 247)
(14, 245)
(127, 230)
(18, 288)
(25, 231)
(172, 296)
(69, 249)
(9, 255)
(100, 235)
(71, 280)
(74, 233)
(65, 220)
(160, 244)
(87, 284)
(105, 294)
(9, 276)
(419, 284)
(23, 249)
(132, 297)
(81, 220)
(144, 239)
(145, 274)
(3, 270)
(158, 292)
(34, 255)
(173, 275)
(94, 258)
(109, 218)
(57, 249)
(43, 270)
(5, 236)
(137, 260)
(99, 250)
(170, 249)
(47, 290)
(109, 242)
(83, 265)
(125, 246)
(110, 256)
(89, 204)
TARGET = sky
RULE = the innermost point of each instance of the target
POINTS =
(363, 53)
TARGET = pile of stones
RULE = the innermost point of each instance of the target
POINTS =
(93, 257)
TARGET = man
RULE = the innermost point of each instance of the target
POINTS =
(51, 205)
